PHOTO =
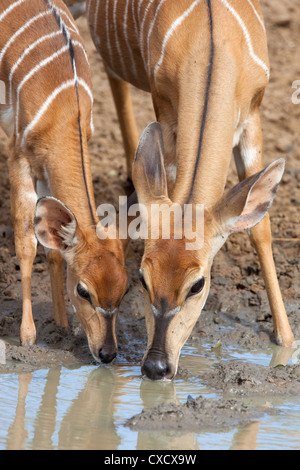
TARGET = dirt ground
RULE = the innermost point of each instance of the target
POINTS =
(237, 311)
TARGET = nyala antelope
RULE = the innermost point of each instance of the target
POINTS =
(205, 63)
(48, 117)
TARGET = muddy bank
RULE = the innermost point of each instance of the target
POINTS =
(244, 390)
(254, 380)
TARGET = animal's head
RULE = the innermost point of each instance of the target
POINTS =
(96, 279)
(177, 279)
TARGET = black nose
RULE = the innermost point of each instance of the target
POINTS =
(155, 370)
(106, 357)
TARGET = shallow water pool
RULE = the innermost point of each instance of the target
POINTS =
(85, 407)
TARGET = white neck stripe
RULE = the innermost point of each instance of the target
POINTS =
(257, 15)
(30, 74)
(49, 100)
(247, 37)
(117, 42)
(25, 53)
(171, 31)
(21, 30)
(150, 32)
(10, 8)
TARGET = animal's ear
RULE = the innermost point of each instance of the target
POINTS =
(247, 203)
(54, 224)
(148, 173)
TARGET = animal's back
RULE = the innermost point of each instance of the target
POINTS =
(42, 58)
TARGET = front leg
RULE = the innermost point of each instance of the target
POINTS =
(248, 158)
(56, 264)
(23, 201)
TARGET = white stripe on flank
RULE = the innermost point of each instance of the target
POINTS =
(257, 15)
(134, 20)
(171, 31)
(142, 28)
(59, 13)
(256, 59)
(31, 47)
(139, 9)
(79, 44)
(73, 26)
(30, 74)
(89, 92)
(117, 39)
(126, 38)
(65, 30)
(21, 30)
(150, 32)
(97, 40)
(86, 87)
(47, 103)
(28, 48)
(88, 7)
(10, 8)
(108, 44)
(25, 53)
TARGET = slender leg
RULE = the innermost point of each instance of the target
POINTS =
(23, 201)
(123, 103)
(249, 161)
(56, 264)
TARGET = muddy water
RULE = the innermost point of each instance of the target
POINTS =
(86, 407)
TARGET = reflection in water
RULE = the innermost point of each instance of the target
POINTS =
(45, 421)
(17, 434)
(89, 422)
(91, 417)
(85, 408)
(153, 394)
(246, 437)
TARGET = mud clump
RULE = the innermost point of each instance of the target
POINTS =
(197, 414)
(238, 384)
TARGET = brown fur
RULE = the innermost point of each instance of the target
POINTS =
(206, 93)
(56, 148)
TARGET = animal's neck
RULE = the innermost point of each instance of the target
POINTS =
(69, 175)
(205, 130)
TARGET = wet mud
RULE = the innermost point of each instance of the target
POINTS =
(237, 313)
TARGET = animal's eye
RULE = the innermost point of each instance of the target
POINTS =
(197, 287)
(142, 280)
(83, 293)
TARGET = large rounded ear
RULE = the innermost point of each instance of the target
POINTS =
(247, 203)
(148, 173)
(54, 224)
